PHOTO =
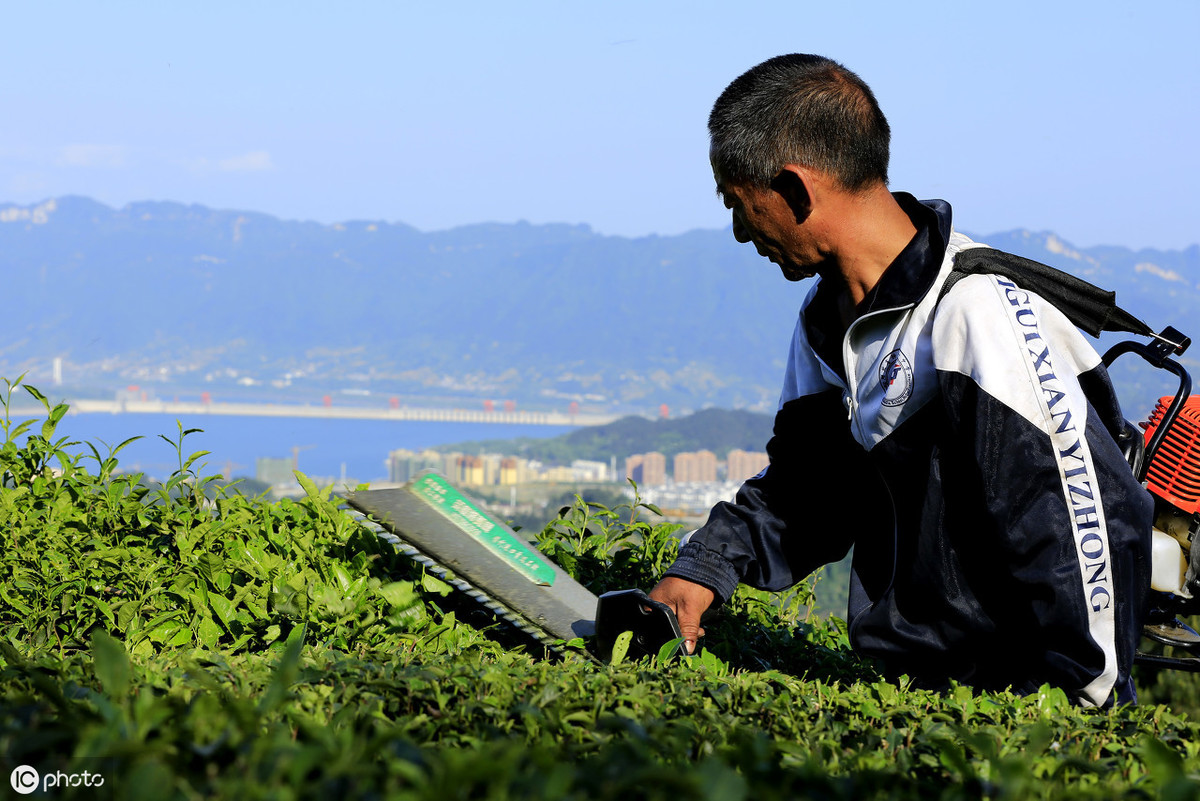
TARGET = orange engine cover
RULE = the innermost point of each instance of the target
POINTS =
(1174, 473)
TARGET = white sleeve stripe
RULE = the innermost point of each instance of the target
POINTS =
(1005, 367)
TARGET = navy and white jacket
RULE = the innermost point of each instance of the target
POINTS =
(968, 455)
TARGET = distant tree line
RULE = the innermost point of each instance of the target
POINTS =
(716, 430)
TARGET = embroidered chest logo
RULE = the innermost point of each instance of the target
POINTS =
(896, 378)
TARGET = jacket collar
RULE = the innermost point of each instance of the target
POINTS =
(907, 279)
(914, 270)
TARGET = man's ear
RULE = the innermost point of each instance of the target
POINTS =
(795, 185)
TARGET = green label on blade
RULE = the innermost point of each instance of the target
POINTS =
(438, 493)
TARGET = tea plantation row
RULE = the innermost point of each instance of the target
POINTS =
(188, 642)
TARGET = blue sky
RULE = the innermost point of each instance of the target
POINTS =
(1080, 118)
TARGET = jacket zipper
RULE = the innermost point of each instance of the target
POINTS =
(850, 366)
(851, 403)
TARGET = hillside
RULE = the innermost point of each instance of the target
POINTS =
(182, 299)
(716, 430)
(219, 646)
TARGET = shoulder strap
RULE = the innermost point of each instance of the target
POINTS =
(1087, 306)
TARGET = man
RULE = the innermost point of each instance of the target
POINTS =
(964, 445)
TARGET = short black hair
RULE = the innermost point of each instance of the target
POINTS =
(800, 109)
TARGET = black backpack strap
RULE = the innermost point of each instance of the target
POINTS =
(1087, 306)
(953, 278)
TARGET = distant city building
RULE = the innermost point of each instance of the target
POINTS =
(647, 469)
(742, 465)
(561, 475)
(403, 465)
(691, 499)
(513, 471)
(483, 470)
(448, 463)
(590, 471)
(632, 465)
(697, 466)
(274, 471)
(493, 469)
(468, 470)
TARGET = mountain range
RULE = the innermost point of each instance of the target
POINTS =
(180, 299)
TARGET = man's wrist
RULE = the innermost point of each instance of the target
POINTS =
(707, 568)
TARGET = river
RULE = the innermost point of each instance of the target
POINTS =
(326, 447)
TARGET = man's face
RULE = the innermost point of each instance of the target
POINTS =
(763, 217)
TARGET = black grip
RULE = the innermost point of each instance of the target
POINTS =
(652, 623)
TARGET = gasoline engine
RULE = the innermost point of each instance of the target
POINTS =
(1173, 478)
(1166, 459)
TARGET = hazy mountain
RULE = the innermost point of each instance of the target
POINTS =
(183, 298)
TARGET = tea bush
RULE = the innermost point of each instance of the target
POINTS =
(196, 643)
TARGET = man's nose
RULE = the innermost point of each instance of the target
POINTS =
(739, 231)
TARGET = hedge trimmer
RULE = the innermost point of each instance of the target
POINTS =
(452, 537)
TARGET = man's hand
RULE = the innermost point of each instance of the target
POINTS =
(689, 601)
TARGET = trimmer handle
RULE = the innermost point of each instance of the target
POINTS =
(652, 622)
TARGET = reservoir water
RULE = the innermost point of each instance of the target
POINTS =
(323, 446)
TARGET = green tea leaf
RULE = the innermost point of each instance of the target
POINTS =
(105, 609)
(285, 672)
(398, 594)
(431, 583)
(37, 394)
(621, 647)
(222, 606)
(208, 632)
(341, 577)
(209, 565)
(1165, 763)
(668, 651)
(52, 420)
(310, 489)
(111, 664)
(121, 447)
